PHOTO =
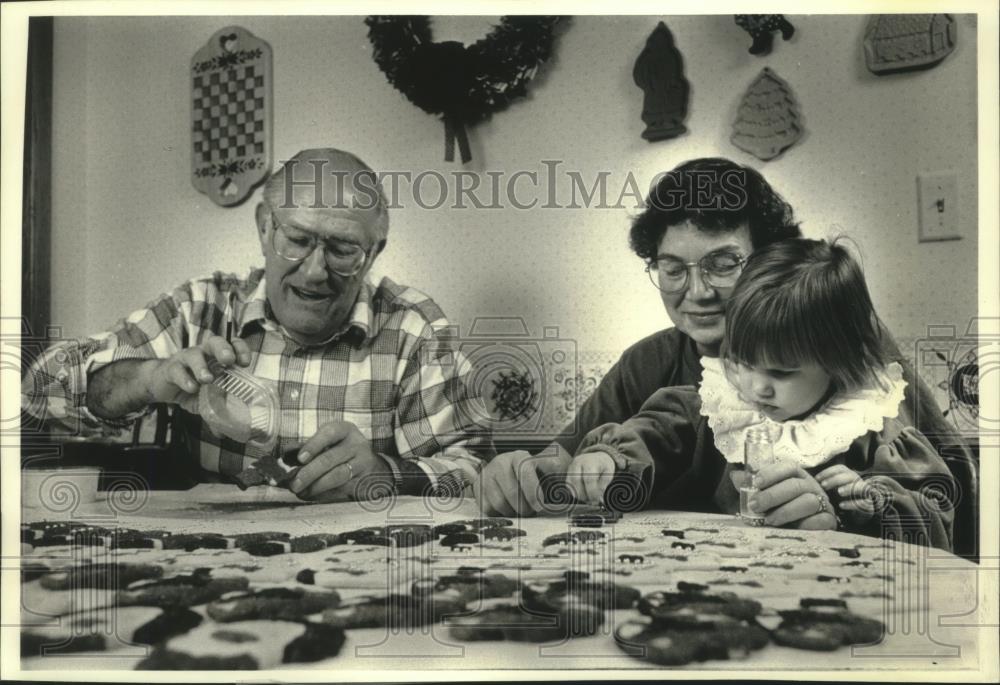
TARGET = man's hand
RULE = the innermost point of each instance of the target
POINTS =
(129, 385)
(788, 496)
(509, 484)
(179, 378)
(338, 465)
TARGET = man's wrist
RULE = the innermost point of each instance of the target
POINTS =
(394, 471)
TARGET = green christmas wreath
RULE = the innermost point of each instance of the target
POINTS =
(462, 84)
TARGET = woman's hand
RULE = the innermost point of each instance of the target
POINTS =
(589, 475)
(788, 496)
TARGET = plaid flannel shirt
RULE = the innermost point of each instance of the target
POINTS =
(395, 371)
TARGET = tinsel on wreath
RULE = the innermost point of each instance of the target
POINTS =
(464, 85)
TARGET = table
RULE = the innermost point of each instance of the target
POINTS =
(928, 599)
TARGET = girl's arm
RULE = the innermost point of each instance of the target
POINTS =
(647, 452)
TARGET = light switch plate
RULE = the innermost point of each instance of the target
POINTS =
(937, 197)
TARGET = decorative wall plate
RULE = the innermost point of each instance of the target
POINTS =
(231, 112)
(659, 71)
(908, 42)
(768, 120)
(761, 28)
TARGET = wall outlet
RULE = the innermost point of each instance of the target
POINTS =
(937, 198)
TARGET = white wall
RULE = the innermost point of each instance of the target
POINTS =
(128, 224)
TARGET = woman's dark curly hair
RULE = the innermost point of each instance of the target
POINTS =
(715, 195)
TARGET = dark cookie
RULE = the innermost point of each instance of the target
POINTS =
(509, 622)
(56, 540)
(288, 604)
(165, 659)
(268, 468)
(847, 552)
(689, 609)
(631, 559)
(92, 536)
(137, 539)
(320, 641)
(358, 536)
(826, 630)
(502, 534)
(454, 540)
(171, 622)
(179, 591)
(268, 548)
(469, 587)
(409, 536)
(397, 611)
(314, 542)
(679, 534)
(592, 517)
(486, 522)
(832, 579)
(244, 540)
(189, 542)
(576, 537)
(823, 604)
(672, 647)
(451, 528)
(560, 594)
(110, 576)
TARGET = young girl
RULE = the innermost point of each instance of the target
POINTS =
(802, 359)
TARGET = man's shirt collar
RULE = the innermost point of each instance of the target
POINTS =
(250, 307)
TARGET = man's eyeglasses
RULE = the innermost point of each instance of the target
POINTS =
(294, 244)
(718, 270)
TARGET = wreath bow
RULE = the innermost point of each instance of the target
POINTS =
(462, 84)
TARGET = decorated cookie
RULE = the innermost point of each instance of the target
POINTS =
(521, 624)
(246, 645)
(180, 591)
(469, 586)
(395, 611)
(825, 628)
(272, 603)
(99, 576)
(676, 647)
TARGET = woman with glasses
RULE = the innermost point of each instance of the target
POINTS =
(701, 222)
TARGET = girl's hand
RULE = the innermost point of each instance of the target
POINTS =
(855, 494)
(788, 496)
(589, 475)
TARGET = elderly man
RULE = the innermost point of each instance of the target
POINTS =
(371, 387)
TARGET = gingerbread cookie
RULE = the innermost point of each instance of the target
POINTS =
(180, 591)
(246, 645)
(402, 611)
(521, 624)
(287, 604)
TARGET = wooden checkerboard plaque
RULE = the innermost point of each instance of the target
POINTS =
(231, 115)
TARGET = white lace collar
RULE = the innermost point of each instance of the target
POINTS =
(809, 442)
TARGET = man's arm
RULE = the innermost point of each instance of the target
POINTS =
(119, 388)
(131, 385)
(106, 379)
(440, 442)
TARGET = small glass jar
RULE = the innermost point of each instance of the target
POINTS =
(758, 451)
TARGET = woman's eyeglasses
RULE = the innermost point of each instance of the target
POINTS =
(718, 270)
